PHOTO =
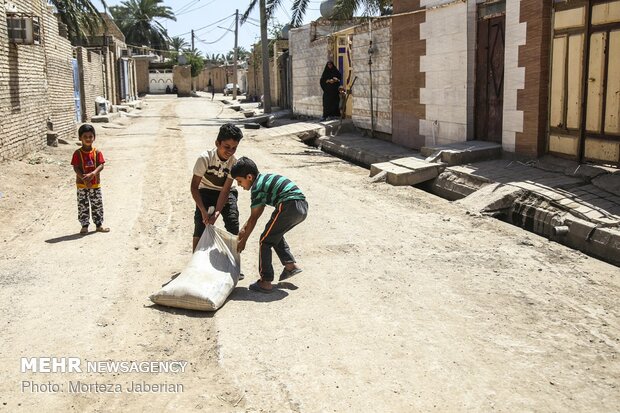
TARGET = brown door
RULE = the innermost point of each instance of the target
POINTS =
(490, 79)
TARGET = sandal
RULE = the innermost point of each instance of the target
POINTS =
(286, 274)
(103, 229)
(84, 230)
(256, 287)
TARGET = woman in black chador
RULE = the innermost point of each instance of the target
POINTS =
(330, 81)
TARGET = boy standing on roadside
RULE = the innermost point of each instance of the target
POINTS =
(291, 209)
(88, 163)
(211, 183)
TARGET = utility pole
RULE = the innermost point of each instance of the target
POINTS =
(265, 53)
(190, 67)
(235, 56)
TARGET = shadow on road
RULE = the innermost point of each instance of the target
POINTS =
(244, 294)
(182, 311)
(68, 238)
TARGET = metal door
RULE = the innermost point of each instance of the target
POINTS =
(490, 78)
(76, 91)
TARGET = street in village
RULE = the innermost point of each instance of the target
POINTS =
(407, 303)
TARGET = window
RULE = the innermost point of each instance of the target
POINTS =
(23, 29)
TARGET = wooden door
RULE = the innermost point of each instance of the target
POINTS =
(490, 79)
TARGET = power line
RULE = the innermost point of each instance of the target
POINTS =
(204, 27)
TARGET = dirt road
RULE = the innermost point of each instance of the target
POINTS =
(406, 303)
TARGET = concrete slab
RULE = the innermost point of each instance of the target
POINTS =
(361, 150)
(463, 152)
(406, 171)
(105, 118)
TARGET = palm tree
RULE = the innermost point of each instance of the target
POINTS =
(80, 16)
(267, 7)
(178, 43)
(137, 21)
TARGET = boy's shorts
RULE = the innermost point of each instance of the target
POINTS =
(230, 212)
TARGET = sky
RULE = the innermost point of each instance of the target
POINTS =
(196, 14)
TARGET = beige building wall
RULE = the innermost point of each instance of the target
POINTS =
(91, 79)
(445, 67)
(36, 85)
(381, 76)
(308, 56)
(142, 75)
(182, 78)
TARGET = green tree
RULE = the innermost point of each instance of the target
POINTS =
(242, 54)
(80, 16)
(137, 19)
(195, 60)
(178, 43)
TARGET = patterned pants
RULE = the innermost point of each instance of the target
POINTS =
(90, 200)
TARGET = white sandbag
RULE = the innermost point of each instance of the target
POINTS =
(210, 276)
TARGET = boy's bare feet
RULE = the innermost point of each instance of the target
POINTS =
(84, 230)
(103, 229)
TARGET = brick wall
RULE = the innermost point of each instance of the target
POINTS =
(308, 61)
(532, 100)
(381, 76)
(59, 55)
(35, 85)
(91, 79)
(407, 79)
(445, 65)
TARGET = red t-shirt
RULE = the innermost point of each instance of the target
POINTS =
(87, 163)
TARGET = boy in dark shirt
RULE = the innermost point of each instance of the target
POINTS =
(291, 209)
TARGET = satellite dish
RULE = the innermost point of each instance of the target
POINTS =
(285, 30)
(327, 8)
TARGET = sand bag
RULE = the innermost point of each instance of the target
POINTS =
(210, 276)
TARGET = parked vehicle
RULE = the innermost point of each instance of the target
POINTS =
(228, 89)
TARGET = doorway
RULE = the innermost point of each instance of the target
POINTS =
(490, 71)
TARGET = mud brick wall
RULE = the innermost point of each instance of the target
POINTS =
(381, 76)
(91, 79)
(35, 85)
(142, 75)
(58, 65)
(308, 61)
(445, 65)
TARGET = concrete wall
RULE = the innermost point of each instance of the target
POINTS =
(183, 80)
(35, 85)
(142, 75)
(514, 75)
(446, 67)
(381, 76)
(309, 56)
(91, 79)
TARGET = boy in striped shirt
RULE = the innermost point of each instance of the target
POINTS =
(291, 209)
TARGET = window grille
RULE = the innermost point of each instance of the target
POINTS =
(23, 29)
